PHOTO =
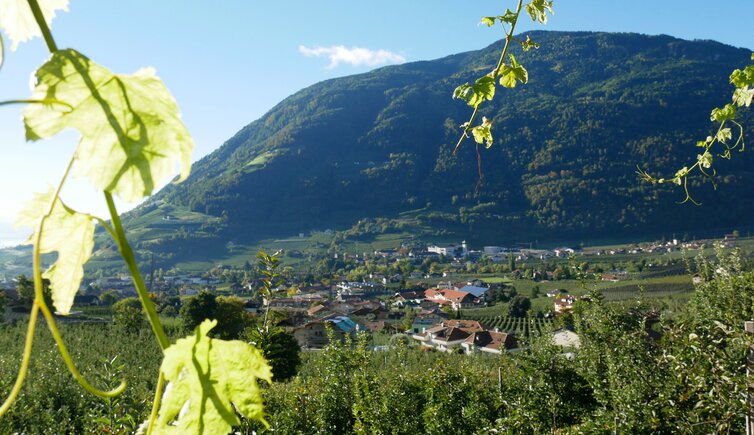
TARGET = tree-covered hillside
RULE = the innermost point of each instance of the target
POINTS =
(563, 164)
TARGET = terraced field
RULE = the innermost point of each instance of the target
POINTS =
(520, 326)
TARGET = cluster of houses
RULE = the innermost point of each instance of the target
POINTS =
(455, 296)
(470, 336)
(658, 247)
(466, 336)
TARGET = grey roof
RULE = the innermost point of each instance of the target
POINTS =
(474, 290)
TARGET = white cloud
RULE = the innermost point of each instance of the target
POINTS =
(354, 56)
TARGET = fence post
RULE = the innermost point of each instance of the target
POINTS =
(500, 379)
(749, 327)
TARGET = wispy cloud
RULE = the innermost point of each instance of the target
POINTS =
(354, 56)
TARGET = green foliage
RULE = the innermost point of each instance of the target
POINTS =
(17, 19)
(483, 133)
(128, 316)
(210, 382)
(67, 232)
(231, 317)
(620, 362)
(484, 87)
(198, 308)
(113, 414)
(229, 312)
(482, 90)
(455, 404)
(743, 81)
(280, 349)
(52, 403)
(510, 74)
(543, 392)
(26, 293)
(131, 137)
(537, 10)
(268, 267)
(146, 136)
(519, 306)
(708, 350)
(108, 298)
(25, 289)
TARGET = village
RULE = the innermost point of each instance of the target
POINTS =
(436, 302)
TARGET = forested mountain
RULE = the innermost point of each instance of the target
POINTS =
(566, 149)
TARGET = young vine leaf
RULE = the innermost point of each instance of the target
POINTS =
(145, 137)
(743, 94)
(69, 233)
(483, 133)
(537, 10)
(19, 23)
(209, 381)
(509, 74)
(483, 89)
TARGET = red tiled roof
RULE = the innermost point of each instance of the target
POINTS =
(315, 309)
(471, 325)
(491, 340)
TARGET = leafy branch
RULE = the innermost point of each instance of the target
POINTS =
(509, 73)
(268, 267)
(721, 144)
(131, 138)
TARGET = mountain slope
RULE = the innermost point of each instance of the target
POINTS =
(563, 164)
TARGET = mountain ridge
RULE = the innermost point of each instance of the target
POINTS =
(377, 145)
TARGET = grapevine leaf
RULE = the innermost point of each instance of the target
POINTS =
(2, 51)
(69, 233)
(529, 44)
(463, 92)
(18, 21)
(483, 133)
(680, 174)
(743, 96)
(537, 10)
(723, 135)
(144, 137)
(509, 74)
(726, 113)
(509, 17)
(705, 160)
(209, 381)
(488, 21)
(742, 78)
(483, 89)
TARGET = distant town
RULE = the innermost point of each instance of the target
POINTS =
(443, 296)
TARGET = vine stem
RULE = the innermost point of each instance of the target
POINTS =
(38, 284)
(123, 246)
(496, 71)
(39, 303)
(40, 19)
(156, 403)
(120, 237)
(39, 300)
(21, 377)
(128, 256)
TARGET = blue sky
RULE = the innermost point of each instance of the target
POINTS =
(228, 62)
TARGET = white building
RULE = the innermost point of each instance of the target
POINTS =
(451, 250)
